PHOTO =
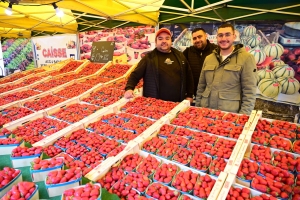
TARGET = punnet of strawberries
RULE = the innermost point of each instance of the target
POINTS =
(269, 186)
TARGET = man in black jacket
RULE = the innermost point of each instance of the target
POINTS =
(197, 53)
(165, 72)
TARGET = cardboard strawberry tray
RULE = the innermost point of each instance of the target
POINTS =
(90, 190)
(22, 156)
(25, 190)
(40, 168)
(7, 181)
(8, 144)
(57, 184)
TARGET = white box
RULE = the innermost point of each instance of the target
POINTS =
(7, 149)
(13, 182)
(82, 186)
(40, 175)
(23, 161)
(58, 189)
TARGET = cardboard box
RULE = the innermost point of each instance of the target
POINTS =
(13, 182)
(82, 186)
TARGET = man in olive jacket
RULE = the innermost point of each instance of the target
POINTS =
(165, 71)
(228, 79)
(197, 53)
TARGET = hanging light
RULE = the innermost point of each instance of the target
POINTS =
(8, 10)
(58, 11)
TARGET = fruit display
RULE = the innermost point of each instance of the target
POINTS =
(70, 66)
(10, 141)
(157, 108)
(115, 71)
(63, 176)
(26, 151)
(89, 191)
(75, 112)
(23, 190)
(73, 90)
(104, 96)
(47, 85)
(44, 102)
(17, 96)
(33, 131)
(91, 68)
(7, 175)
(248, 169)
(238, 193)
(39, 164)
(217, 165)
(13, 113)
(158, 190)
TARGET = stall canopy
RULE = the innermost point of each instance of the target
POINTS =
(37, 17)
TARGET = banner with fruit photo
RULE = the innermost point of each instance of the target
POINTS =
(274, 45)
(17, 55)
(52, 49)
(131, 43)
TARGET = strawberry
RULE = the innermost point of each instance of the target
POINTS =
(185, 180)
(165, 173)
(184, 132)
(157, 190)
(130, 162)
(111, 177)
(137, 181)
(261, 154)
(276, 173)
(166, 130)
(205, 137)
(183, 155)
(296, 147)
(204, 186)
(238, 193)
(148, 165)
(284, 160)
(196, 145)
(261, 137)
(223, 148)
(217, 165)
(167, 150)
(263, 125)
(200, 161)
(281, 143)
(247, 170)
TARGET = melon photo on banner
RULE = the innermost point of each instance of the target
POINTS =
(276, 49)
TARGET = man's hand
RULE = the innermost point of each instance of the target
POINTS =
(128, 94)
(190, 99)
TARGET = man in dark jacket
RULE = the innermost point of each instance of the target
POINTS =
(197, 53)
(165, 72)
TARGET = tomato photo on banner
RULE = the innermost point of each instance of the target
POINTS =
(274, 45)
(131, 43)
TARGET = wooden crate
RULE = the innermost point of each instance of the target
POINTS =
(127, 74)
(34, 98)
(64, 104)
(25, 120)
(58, 65)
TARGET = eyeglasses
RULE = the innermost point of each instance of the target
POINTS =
(221, 35)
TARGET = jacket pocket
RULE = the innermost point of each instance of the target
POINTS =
(229, 101)
(205, 98)
(231, 74)
(209, 71)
